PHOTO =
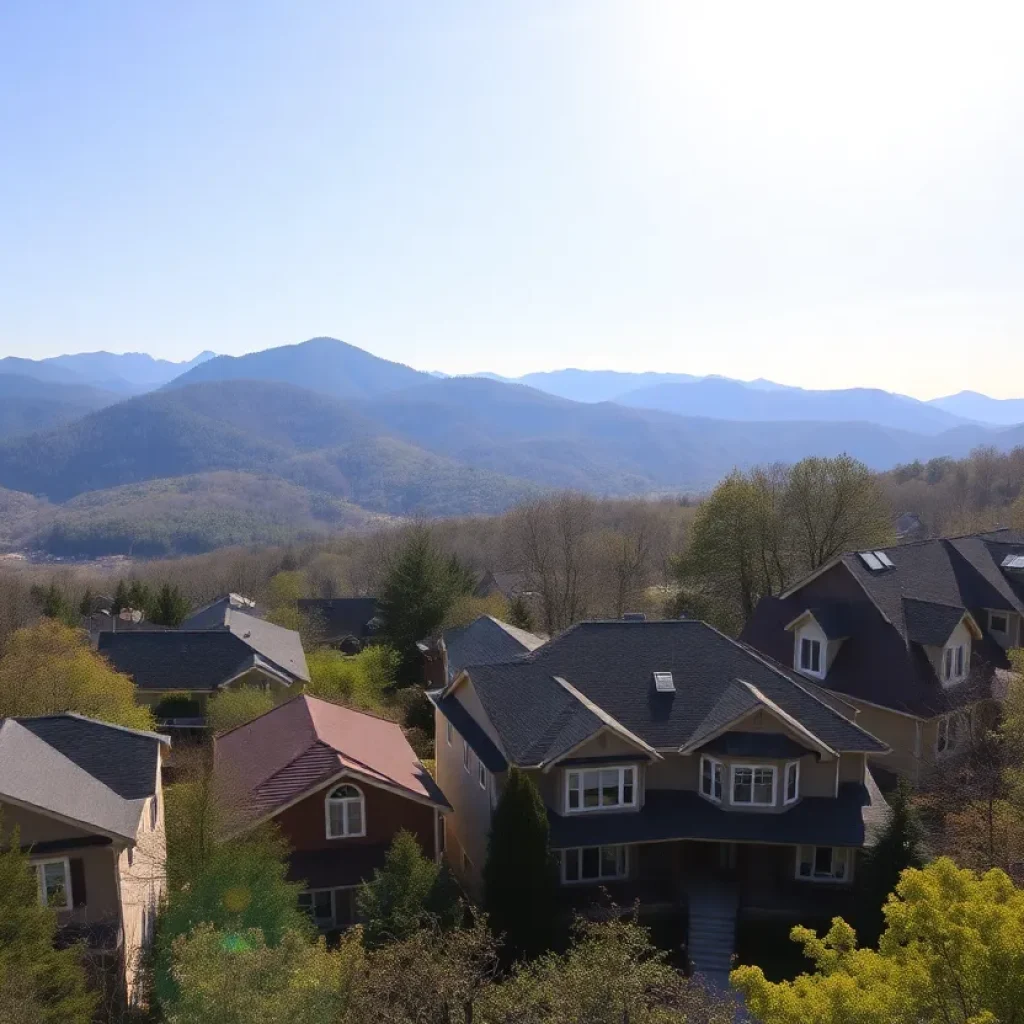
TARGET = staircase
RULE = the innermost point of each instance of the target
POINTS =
(712, 935)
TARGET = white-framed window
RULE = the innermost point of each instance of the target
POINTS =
(345, 811)
(465, 755)
(594, 864)
(598, 788)
(481, 774)
(329, 908)
(955, 662)
(448, 731)
(810, 656)
(998, 622)
(53, 877)
(951, 731)
(753, 785)
(792, 792)
(711, 778)
(822, 863)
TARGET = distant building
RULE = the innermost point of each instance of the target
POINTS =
(346, 623)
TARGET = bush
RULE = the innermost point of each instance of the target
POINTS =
(232, 708)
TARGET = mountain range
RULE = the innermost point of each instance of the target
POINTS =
(303, 439)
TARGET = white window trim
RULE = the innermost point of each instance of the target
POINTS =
(577, 851)
(465, 755)
(942, 724)
(481, 774)
(621, 805)
(786, 798)
(843, 851)
(448, 731)
(716, 766)
(752, 802)
(949, 659)
(65, 863)
(333, 890)
(807, 671)
(328, 801)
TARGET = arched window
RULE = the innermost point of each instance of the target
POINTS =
(346, 813)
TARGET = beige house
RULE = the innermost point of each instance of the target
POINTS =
(914, 637)
(679, 769)
(85, 801)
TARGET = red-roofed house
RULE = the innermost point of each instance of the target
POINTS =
(340, 784)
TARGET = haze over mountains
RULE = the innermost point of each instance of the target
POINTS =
(318, 436)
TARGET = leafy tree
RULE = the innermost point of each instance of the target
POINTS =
(611, 974)
(240, 886)
(466, 609)
(170, 607)
(364, 680)
(952, 951)
(49, 668)
(234, 707)
(236, 977)
(39, 984)
(898, 847)
(519, 873)
(195, 818)
(519, 614)
(408, 892)
(420, 587)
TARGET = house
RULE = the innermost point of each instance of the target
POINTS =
(679, 768)
(86, 800)
(914, 636)
(217, 614)
(340, 784)
(486, 640)
(347, 623)
(244, 651)
(508, 584)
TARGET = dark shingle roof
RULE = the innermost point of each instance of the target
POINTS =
(215, 614)
(755, 744)
(834, 620)
(929, 623)
(342, 616)
(854, 818)
(467, 727)
(610, 664)
(486, 641)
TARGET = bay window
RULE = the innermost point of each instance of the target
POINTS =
(595, 864)
(753, 785)
(600, 788)
(822, 863)
(711, 779)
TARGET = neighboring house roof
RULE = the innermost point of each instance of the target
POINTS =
(276, 759)
(508, 584)
(891, 615)
(343, 616)
(486, 641)
(610, 665)
(91, 774)
(216, 613)
(470, 730)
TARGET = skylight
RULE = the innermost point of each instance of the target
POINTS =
(664, 683)
(885, 560)
(871, 560)
(1013, 562)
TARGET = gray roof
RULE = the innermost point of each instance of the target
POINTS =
(343, 616)
(833, 619)
(929, 623)
(470, 730)
(610, 665)
(281, 647)
(74, 777)
(486, 641)
(215, 614)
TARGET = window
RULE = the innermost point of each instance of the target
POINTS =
(955, 661)
(594, 864)
(810, 655)
(465, 755)
(600, 787)
(329, 908)
(950, 731)
(448, 732)
(792, 782)
(998, 622)
(481, 774)
(822, 863)
(131, 856)
(346, 813)
(711, 779)
(54, 880)
(753, 785)
(154, 813)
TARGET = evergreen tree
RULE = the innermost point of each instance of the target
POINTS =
(54, 604)
(120, 598)
(409, 892)
(519, 614)
(417, 593)
(898, 848)
(85, 605)
(170, 607)
(519, 874)
(45, 984)
(140, 598)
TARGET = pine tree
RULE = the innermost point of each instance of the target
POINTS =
(140, 598)
(45, 984)
(85, 605)
(120, 598)
(519, 874)
(519, 614)
(899, 847)
(170, 607)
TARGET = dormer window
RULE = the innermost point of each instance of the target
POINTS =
(711, 779)
(810, 656)
(954, 663)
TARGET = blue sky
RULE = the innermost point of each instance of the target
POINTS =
(822, 194)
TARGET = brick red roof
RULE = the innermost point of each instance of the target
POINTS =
(277, 758)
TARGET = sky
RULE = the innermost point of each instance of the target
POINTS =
(823, 194)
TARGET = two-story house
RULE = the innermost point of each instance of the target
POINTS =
(674, 763)
(914, 636)
(340, 784)
(84, 799)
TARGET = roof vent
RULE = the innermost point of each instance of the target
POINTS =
(876, 561)
(634, 617)
(664, 683)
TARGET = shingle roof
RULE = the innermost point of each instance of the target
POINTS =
(834, 620)
(342, 616)
(215, 614)
(470, 730)
(755, 744)
(486, 641)
(929, 623)
(64, 765)
(611, 665)
(276, 758)
(281, 647)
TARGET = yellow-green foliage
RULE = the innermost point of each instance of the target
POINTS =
(49, 668)
(467, 609)
(236, 707)
(361, 680)
(953, 951)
